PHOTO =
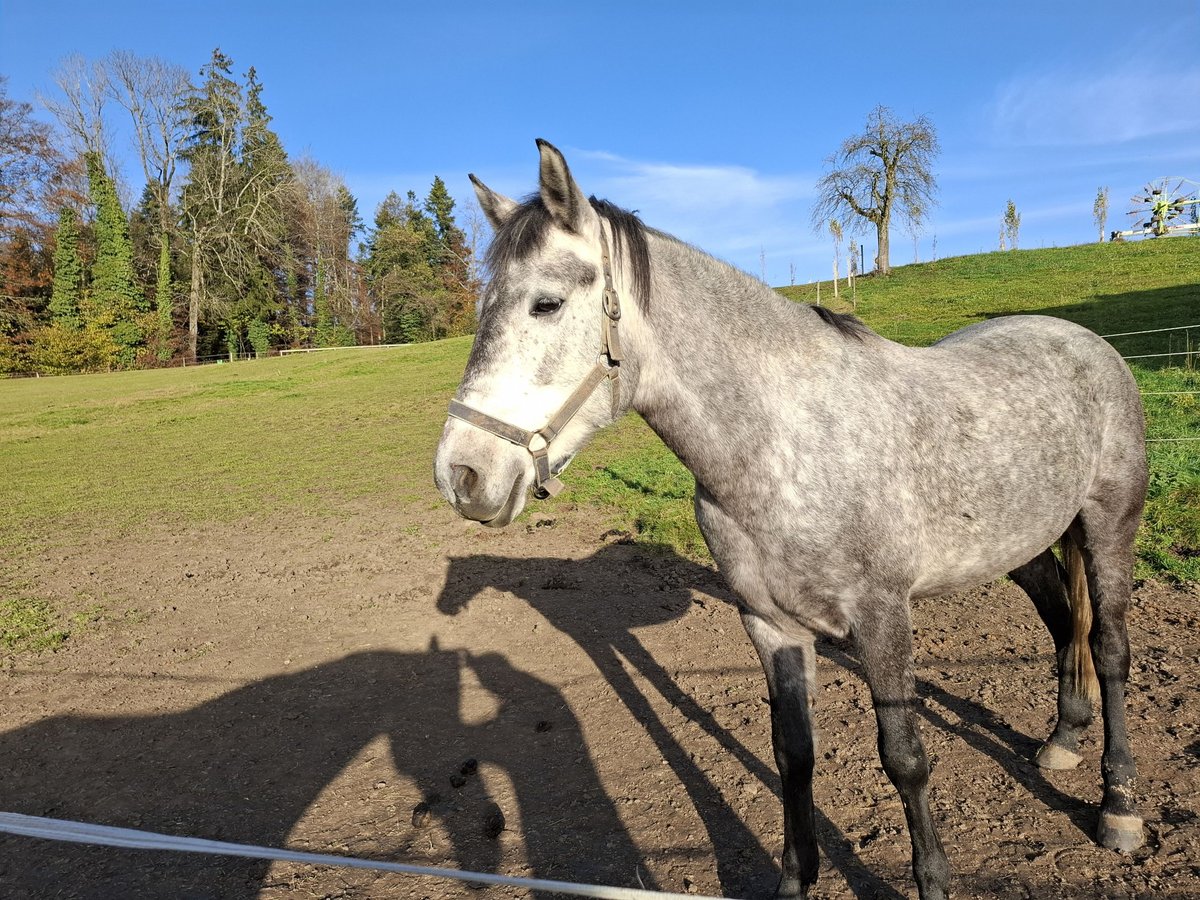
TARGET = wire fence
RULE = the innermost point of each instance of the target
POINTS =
(1188, 359)
(1190, 356)
(222, 358)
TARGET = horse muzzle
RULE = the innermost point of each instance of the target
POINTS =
(484, 480)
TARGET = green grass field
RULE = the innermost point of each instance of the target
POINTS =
(318, 434)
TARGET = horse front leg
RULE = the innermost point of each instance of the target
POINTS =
(787, 660)
(884, 639)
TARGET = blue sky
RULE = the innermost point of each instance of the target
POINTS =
(712, 119)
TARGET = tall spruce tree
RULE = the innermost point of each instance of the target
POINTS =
(400, 277)
(115, 301)
(215, 110)
(266, 175)
(416, 265)
(68, 272)
(233, 203)
(452, 261)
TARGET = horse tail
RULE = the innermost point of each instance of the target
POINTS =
(1086, 683)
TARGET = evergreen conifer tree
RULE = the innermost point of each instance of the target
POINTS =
(234, 204)
(115, 300)
(452, 261)
(68, 272)
(416, 268)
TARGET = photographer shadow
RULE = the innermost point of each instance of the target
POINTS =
(246, 766)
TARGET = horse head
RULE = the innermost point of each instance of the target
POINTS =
(548, 341)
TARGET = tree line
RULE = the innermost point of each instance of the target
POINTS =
(232, 246)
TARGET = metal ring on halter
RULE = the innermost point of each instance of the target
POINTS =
(611, 304)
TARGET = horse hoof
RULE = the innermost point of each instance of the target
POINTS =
(1122, 833)
(1054, 756)
(791, 888)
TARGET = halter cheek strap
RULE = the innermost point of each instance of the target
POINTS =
(607, 367)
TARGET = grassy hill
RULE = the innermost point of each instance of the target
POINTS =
(320, 434)
(1110, 288)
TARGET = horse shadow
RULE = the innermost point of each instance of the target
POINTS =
(246, 765)
(578, 599)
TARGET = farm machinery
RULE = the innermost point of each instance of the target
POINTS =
(1169, 206)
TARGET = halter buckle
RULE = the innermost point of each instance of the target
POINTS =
(612, 304)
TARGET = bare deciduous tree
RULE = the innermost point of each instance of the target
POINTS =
(1100, 211)
(28, 160)
(477, 231)
(36, 183)
(83, 89)
(328, 219)
(1012, 226)
(152, 91)
(914, 224)
(852, 274)
(886, 169)
(238, 184)
(835, 229)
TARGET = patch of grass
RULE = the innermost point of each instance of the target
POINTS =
(1169, 539)
(1110, 288)
(646, 490)
(300, 434)
(28, 624)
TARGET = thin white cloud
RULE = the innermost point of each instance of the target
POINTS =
(691, 188)
(1068, 108)
(732, 211)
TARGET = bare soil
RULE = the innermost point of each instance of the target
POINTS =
(547, 701)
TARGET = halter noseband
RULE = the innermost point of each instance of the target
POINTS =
(607, 367)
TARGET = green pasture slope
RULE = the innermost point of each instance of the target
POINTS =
(320, 434)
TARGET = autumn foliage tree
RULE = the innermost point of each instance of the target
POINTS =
(31, 172)
(36, 181)
(262, 246)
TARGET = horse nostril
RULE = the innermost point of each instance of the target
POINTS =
(465, 481)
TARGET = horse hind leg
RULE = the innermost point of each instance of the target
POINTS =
(1105, 535)
(1061, 598)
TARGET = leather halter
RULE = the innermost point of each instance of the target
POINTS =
(607, 367)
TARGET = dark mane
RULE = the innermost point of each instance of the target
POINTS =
(526, 229)
(847, 325)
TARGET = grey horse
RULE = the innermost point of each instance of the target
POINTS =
(838, 474)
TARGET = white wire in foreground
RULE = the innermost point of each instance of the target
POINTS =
(108, 836)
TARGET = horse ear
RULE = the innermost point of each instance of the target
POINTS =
(560, 193)
(495, 206)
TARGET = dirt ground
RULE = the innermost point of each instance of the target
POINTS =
(313, 683)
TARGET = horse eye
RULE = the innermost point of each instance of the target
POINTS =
(543, 306)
